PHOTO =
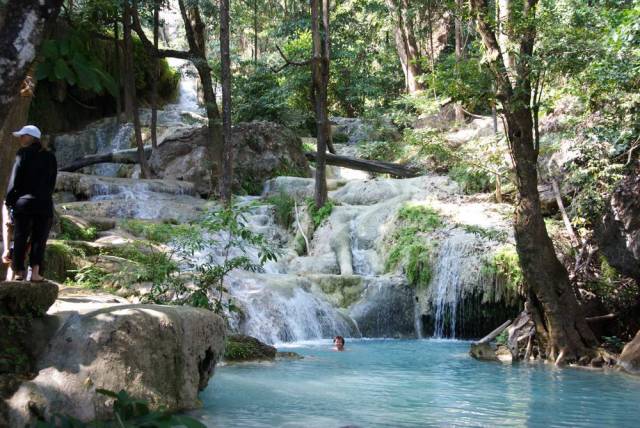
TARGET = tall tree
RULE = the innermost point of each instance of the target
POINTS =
(23, 24)
(227, 149)
(406, 46)
(195, 32)
(564, 329)
(320, 76)
(131, 98)
(155, 75)
(459, 52)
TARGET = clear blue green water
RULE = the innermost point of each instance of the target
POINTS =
(414, 383)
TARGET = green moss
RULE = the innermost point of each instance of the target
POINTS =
(71, 230)
(245, 348)
(408, 249)
(489, 233)
(344, 290)
(155, 232)
(340, 138)
(504, 264)
(60, 258)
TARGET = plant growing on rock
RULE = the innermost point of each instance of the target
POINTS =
(229, 243)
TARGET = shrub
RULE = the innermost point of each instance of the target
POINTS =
(283, 205)
(318, 216)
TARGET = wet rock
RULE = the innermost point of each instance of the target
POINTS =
(24, 298)
(356, 130)
(85, 186)
(341, 290)
(287, 355)
(483, 352)
(243, 348)
(618, 233)
(262, 150)
(386, 309)
(629, 360)
(163, 354)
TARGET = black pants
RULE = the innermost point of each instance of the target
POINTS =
(29, 228)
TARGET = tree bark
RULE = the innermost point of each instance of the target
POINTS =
(459, 112)
(23, 25)
(255, 31)
(116, 49)
(227, 152)
(407, 51)
(568, 335)
(130, 90)
(16, 119)
(320, 77)
(155, 76)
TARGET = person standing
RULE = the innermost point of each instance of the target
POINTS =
(30, 203)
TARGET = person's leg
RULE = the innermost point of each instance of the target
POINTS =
(21, 231)
(40, 234)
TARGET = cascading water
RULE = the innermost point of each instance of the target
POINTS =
(107, 142)
(456, 267)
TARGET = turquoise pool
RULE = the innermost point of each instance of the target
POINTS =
(413, 383)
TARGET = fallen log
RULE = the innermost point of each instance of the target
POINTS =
(129, 156)
(495, 333)
(394, 169)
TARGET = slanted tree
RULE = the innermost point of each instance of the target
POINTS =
(564, 329)
(23, 24)
(131, 99)
(227, 150)
(320, 78)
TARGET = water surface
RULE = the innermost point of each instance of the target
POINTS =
(414, 383)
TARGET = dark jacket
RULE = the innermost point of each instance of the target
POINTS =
(32, 181)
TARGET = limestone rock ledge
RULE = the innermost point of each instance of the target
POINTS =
(163, 354)
(629, 360)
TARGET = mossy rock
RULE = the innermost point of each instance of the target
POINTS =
(21, 298)
(60, 258)
(288, 355)
(342, 290)
(241, 348)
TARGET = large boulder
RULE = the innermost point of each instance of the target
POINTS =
(163, 354)
(261, 150)
(619, 231)
(629, 360)
(20, 298)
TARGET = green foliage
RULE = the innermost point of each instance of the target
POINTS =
(380, 150)
(162, 233)
(504, 266)
(128, 412)
(318, 216)
(612, 344)
(70, 59)
(72, 231)
(488, 233)
(90, 276)
(407, 248)
(471, 180)
(283, 205)
(226, 230)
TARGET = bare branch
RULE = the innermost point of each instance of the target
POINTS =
(288, 62)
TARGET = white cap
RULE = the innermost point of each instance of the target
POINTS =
(28, 130)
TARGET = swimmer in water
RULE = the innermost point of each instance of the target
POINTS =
(338, 341)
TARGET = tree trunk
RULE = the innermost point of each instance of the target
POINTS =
(23, 25)
(407, 52)
(130, 90)
(227, 152)
(16, 119)
(155, 76)
(568, 337)
(116, 49)
(320, 69)
(459, 54)
(129, 156)
(255, 31)
(393, 169)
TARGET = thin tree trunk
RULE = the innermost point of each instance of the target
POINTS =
(320, 100)
(155, 76)
(116, 47)
(255, 31)
(459, 54)
(130, 89)
(227, 152)
(16, 119)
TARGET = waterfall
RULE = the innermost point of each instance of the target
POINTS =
(107, 142)
(457, 266)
